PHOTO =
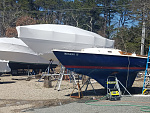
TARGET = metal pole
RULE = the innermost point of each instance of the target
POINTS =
(143, 38)
(143, 32)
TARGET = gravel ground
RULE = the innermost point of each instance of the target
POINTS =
(18, 95)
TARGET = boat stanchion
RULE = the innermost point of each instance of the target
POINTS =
(80, 94)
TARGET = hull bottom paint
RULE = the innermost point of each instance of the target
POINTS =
(100, 75)
(99, 66)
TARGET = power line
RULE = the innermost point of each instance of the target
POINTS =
(78, 9)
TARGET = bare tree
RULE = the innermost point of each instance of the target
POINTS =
(141, 9)
(11, 32)
(25, 20)
(9, 13)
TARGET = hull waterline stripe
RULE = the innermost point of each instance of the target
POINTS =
(101, 67)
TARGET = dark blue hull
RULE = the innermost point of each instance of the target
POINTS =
(99, 66)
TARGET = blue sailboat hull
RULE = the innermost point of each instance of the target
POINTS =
(100, 66)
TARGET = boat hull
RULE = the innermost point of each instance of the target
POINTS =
(42, 38)
(100, 66)
(46, 46)
(19, 56)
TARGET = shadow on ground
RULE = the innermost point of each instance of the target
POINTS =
(8, 82)
(135, 90)
(103, 91)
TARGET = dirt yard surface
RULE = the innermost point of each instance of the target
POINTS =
(19, 95)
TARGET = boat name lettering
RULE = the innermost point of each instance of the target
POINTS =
(72, 54)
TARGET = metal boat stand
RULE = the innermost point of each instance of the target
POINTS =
(58, 84)
(30, 73)
(48, 70)
(80, 94)
(87, 83)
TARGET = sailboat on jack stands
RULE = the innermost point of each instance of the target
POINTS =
(99, 63)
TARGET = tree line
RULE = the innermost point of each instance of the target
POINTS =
(121, 20)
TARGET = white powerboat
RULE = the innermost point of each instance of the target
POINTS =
(42, 38)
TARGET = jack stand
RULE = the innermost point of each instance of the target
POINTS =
(28, 71)
(80, 94)
(29, 74)
(88, 82)
(124, 87)
(62, 73)
(48, 70)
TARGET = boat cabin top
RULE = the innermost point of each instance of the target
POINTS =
(109, 51)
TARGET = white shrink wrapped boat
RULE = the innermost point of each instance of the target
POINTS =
(19, 55)
(4, 67)
(42, 38)
(13, 49)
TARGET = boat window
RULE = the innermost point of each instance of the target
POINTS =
(109, 51)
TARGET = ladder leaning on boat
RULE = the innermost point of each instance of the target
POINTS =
(147, 76)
